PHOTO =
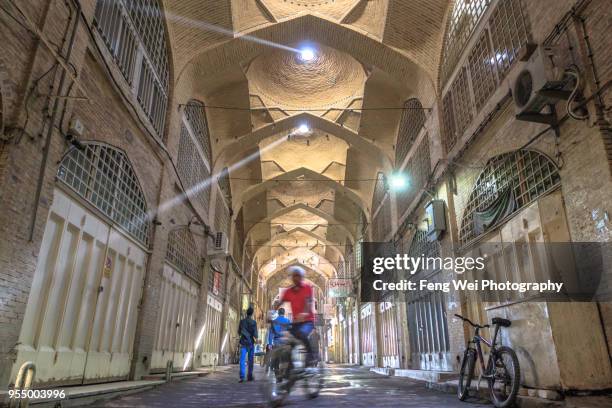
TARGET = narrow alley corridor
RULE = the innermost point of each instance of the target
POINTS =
(399, 197)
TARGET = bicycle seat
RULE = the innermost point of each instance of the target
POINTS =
(502, 322)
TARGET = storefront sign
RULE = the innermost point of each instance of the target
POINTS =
(340, 288)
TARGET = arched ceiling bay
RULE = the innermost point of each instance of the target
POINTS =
(303, 195)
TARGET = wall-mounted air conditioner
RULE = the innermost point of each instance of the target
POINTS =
(537, 83)
(219, 244)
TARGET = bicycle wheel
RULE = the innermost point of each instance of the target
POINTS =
(314, 382)
(505, 380)
(275, 384)
(466, 373)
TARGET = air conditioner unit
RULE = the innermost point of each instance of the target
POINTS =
(538, 83)
(220, 244)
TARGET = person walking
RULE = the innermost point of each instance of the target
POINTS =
(247, 330)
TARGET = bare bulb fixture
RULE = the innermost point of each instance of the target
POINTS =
(307, 54)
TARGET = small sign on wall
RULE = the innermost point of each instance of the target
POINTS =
(108, 267)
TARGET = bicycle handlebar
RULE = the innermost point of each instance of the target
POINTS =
(465, 319)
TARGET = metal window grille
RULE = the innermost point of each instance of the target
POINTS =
(482, 70)
(380, 189)
(359, 255)
(133, 31)
(528, 173)
(462, 102)
(222, 218)
(411, 122)
(104, 177)
(457, 109)
(196, 117)
(422, 246)
(417, 170)
(239, 238)
(225, 186)
(463, 21)
(381, 225)
(193, 172)
(448, 122)
(509, 32)
(148, 20)
(182, 252)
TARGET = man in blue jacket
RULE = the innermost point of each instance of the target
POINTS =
(247, 330)
(278, 327)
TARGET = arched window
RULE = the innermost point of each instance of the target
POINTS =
(182, 252)
(134, 33)
(418, 169)
(103, 176)
(413, 119)
(508, 183)
(195, 156)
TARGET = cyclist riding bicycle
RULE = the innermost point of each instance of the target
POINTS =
(300, 297)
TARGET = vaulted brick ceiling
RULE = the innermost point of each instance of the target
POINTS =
(303, 198)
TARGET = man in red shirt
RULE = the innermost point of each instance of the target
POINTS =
(300, 296)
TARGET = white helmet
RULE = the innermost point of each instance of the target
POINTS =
(296, 269)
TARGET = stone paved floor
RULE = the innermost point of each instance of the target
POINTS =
(349, 386)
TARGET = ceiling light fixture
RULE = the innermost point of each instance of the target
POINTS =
(303, 129)
(307, 54)
(398, 182)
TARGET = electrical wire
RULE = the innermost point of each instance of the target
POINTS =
(305, 223)
(240, 108)
(574, 72)
(301, 179)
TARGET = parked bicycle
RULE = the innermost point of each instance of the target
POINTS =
(502, 371)
(286, 367)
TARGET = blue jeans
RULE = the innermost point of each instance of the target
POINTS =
(302, 331)
(246, 351)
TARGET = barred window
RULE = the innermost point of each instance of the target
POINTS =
(417, 170)
(148, 20)
(192, 170)
(381, 224)
(182, 252)
(509, 32)
(463, 21)
(103, 176)
(134, 33)
(508, 183)
(238, 239)
(482, 70)
(457, 109)
(359, 255)
(222, 218)
(448, 122)
(380, 189)
(196, 118)
(413, 119)
(224, 185)
(422, 246)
